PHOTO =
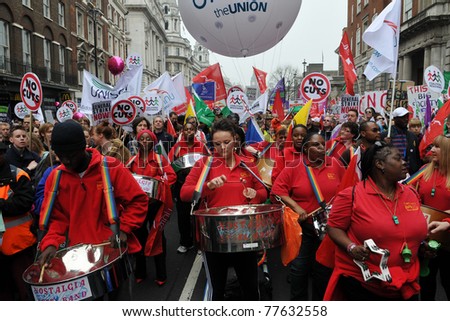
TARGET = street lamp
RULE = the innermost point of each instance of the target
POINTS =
(94, 13)
(304, 67)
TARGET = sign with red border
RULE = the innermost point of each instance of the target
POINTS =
(71, 104)
(139, 103)
(315, 86)
(31, 91)
(123, 112)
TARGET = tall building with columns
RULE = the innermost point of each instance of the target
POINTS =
(424, 38)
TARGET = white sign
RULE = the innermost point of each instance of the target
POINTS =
(31, 91)
(315, 86)
(139, 103)
(134, 60)
(21, 110)
(123, 112)
(376, 100)
(417, 100)
(153, 103)
(434, 79)
(64, 113)
(238, 103)
(71, 104)
(75, 290)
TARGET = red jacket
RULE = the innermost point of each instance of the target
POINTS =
(229, 194)
(152, 168)
(80, 209)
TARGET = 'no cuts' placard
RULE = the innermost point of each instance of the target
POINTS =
(123, 112)
(31, 91)
(71, 104)
(315, 86)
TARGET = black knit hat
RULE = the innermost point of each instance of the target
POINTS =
(68, 136)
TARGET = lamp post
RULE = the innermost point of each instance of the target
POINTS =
(295, 85)
(304, 67)
(94, 13)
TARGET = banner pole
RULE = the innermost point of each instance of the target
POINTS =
(392, 106)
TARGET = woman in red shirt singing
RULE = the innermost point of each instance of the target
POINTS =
(299, 186)
(187, 144)
(151, 234)
(366, 221)
(434, 191)
(227, 183)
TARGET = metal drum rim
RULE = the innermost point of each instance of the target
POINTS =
(125, 251)
(276, 207)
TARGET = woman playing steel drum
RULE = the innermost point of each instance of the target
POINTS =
(187, 144)
(227, 183)
(433, 186)
(151, 234)
(378, 227)
(298, 185)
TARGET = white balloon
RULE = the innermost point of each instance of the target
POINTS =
(238, 28)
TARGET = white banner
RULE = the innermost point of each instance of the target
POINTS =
(165, 87)
(374, 99)
(260, 104)
(417, 100)
(95, 91)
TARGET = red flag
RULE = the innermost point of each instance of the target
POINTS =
(435, 129)
(352, 174)
(170, 129)
(261, 78)
(213, 73)
(346, 55)
(278, 105)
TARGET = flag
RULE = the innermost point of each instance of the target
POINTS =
(159, 149)
(213, 73)
(165, 87)
(435, 129)
(353, 173)
(206, 90)
(170, 129)
(204, 114)
(178, 82)
(253, 133)
(261, 79)
(383, 36)
(260, 104)
(280, 86)
(350, 75)
(427, 118)
(278, 106)
(302, 115)
(225, 111)
(190, 112)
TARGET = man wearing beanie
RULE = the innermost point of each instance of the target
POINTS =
(79, 213)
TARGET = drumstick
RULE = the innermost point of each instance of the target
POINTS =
(41, 276)
(101, 244)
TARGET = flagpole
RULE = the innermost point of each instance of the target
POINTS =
(392, 106)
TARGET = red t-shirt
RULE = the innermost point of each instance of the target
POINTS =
(182, 148)
(294, 182)
(364, 216)
(232, 191)
(441, 198)
(289, 155)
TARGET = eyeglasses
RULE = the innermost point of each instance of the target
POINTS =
(380, 118)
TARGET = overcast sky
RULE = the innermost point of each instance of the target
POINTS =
(317, 30)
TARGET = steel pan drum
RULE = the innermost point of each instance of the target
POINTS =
(81, 272)
(265, 166)
(431, 215)
(241, 228)
(186, 161)
(151, 186)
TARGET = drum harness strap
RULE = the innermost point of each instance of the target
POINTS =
(265, 150)
(201, 182)
(108, 191)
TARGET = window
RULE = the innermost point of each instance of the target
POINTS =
(4, 45)
(166, 9)
(364, 27)
(26, 3)
(99, 37)
(90, 30)
(358, 42)
(62, 60)
(353, 13)
(407, 9)
(26, 49)
(46, 8)
(175, 25)
(166, 25)
(358, 6)
(48, 58)
(178, 52)
(61, 14)
(366, 3)
(80, 23)
(110, 43)
(109, 12)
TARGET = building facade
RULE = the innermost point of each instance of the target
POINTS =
(424, 39)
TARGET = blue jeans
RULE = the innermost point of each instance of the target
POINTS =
(301, 267)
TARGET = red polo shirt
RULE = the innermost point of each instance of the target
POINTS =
(289, 155)
(232, 191)
(293, 181)
(441, 198)
(182, 148)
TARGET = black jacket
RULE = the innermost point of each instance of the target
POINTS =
(167, 140)
(15, 157)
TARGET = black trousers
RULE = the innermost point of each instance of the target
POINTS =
(184, 223)
(428, 284)
(246, 266)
